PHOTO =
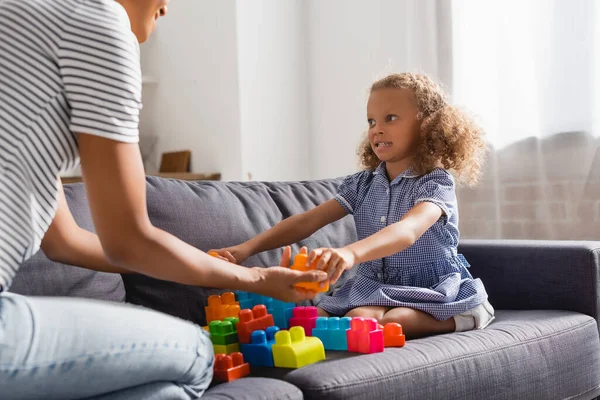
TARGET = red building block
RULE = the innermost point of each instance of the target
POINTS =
(305, 317)
(253, 320)
(364, 337)
(230, 367)
(221, 307)
(393, 336)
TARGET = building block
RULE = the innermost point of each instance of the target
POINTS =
(221, 307)
(230, 367)
(259, 352)
(293, 349)
(300, 265)
(253, 320)
(226, 349)
(281, 312)
(206, 328)
(364, 337)
(393, 336)
(223, 332)
(332, 332)
(245, 299)
(305, 317)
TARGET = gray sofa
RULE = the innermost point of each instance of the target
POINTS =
(543, 345)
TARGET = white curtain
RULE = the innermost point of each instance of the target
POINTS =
(530, 72)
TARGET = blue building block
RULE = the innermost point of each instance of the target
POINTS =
(259, 352)
(245, 299)
(332, 332)
(281, 311)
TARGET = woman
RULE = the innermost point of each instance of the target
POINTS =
(70, 88)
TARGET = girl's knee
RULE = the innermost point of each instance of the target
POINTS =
(322, 313)
(200, 374)
(367, 312)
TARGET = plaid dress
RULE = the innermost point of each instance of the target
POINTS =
(429, 275)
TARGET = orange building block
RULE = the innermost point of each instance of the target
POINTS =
(393, 336)
(253, 320)
(221, 307)
(300, 265)
(230, 367)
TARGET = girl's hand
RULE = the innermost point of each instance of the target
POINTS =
(333, 261)
(235, 254)
(278, 282)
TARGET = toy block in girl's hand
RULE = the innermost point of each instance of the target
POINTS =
(393, 336)
(223, 332)
(253, 320)
(221, 307)
(292, 349)
(230, 367)
(332, 332)
(306, 317)
(259, 352)
(300, 265)
(364, 337)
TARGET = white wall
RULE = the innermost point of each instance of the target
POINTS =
(352, 43)
(273, 89)
(276, 90)
(193, 53)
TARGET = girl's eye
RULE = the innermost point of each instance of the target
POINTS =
(371, 123)
(391, 118)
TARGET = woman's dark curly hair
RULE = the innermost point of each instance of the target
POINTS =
(449, 138)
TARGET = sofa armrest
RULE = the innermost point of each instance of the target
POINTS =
(525, 274)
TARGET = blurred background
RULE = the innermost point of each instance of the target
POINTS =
(276, 90)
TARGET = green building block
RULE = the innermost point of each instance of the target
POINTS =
(223, 333)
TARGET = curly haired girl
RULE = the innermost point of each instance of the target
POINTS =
(405, 210)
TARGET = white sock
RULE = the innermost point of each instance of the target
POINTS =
(464, 323)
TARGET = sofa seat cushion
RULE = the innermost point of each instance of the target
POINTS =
(543, 354)
(254, 389)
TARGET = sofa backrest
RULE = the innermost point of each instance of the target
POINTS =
(219, 214)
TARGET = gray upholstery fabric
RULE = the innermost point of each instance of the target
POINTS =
(523, 355)
(254, 389)
(40, 276)
(522, 275)
(218, 214)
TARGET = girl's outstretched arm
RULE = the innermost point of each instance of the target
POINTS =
(390, 240)
(290, 230)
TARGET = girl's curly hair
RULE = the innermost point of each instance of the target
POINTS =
(449, 138)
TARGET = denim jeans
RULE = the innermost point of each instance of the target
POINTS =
(67, 348)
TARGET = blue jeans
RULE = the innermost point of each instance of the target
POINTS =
(67, 348)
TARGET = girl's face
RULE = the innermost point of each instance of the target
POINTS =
(143, 15)
(393, 124)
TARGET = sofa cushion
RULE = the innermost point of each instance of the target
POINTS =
(40, 276)
(219, 214)
(522, 355)
(254, 389)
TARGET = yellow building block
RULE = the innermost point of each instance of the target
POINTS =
(230, 348)
(206, 328)
(292, 349)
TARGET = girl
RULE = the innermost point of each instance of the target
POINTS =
(404, 207)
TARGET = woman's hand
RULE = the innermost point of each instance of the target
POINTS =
(333, 261)
(278, 282)
(235, 254)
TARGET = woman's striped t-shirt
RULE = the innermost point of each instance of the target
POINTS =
(66, 67)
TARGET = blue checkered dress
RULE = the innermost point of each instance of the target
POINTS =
(429, 275)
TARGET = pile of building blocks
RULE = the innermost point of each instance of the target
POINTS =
(253, 330)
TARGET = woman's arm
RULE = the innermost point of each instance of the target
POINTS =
(290, 230)
(67, 243)
(390, 240)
